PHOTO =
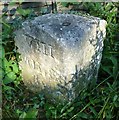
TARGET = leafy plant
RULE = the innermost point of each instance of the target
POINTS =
(98, 102)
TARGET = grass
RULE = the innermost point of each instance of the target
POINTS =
(100, 101)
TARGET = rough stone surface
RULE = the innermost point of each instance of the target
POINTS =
(60, 53)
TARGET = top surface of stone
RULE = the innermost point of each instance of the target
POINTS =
(61, 26)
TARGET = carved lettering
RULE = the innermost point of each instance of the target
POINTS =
(36, 79)
(38, 47)
(50, 51)
(41, 47)
(26, 60)
(33, 64)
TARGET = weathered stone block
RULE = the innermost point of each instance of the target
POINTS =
(60, 53)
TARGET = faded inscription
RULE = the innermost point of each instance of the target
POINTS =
(32, 63)
(42, 47)
(60, 60)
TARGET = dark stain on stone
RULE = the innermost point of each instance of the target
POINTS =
(66, 23)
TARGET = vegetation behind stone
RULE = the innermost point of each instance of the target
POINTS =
(98, 101)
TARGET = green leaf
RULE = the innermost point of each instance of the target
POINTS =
(64, 4)
(12, 3)
(65, 107)
(91, 100)
(110, 86)
(32, 113)
(104, 114)
(10, 66)
(6, 65)
(22, 115)
(115, 66)
(5, 88)
(2, 52)
(18, 111)
(10, 77)
(107, 69)
(93, 110)
(2, 73)
(23, 12)
(14, 66)
(48, 114)
(82, 115)
(70, 109)
(115, 98)
(108, 7)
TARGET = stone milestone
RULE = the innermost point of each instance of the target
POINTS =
(60, 53)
